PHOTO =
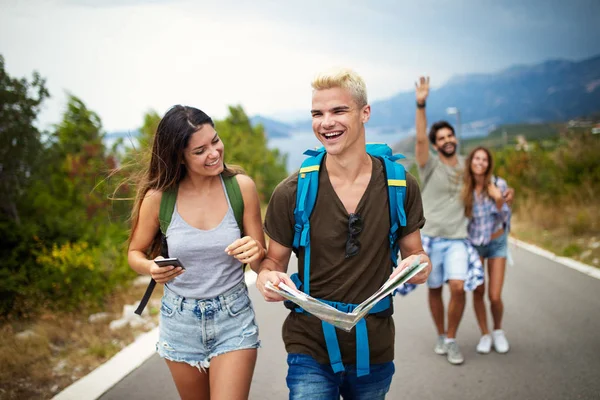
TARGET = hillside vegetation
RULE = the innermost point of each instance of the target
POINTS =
(557, 180)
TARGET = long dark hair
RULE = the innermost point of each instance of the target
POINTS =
(469, 179)
(166, 168)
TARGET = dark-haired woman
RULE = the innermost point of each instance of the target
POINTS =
(208, 334)
(489, 222)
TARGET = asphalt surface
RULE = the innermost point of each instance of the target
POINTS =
(552, 320)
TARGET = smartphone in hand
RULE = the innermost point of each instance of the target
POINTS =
(169, 261)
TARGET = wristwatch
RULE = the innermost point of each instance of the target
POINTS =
(421, 105)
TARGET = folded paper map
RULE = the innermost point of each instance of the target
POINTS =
(342, 319)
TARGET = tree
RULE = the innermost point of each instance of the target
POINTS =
(74, 189)
(20, 143)
(246, 146)
(148, 130)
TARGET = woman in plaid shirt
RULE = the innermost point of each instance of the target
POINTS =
(489, 222)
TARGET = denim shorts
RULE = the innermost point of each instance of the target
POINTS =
(494, 249)
(309, 380)
(194, 331)
(449, 260)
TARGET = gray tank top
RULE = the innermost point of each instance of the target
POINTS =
(209, 270)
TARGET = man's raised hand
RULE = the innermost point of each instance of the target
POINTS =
(422, 89)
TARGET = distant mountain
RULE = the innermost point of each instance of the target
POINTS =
(129, 138)
(131, 134)
(556, 90)
(272, 127)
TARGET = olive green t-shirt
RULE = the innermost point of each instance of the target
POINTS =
(332, 276)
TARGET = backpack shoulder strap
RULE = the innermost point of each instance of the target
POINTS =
(396, 183)
(382, 150)
(235, 198)
(306, 196)
(167, 205)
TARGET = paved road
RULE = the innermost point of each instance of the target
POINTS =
(552, 322)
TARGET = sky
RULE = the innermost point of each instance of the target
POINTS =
(125, 57)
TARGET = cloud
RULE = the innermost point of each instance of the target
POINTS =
(125, 57)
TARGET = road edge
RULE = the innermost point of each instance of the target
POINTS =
(100, 380)
(567, 262)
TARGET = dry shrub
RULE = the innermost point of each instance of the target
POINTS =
(28, 367)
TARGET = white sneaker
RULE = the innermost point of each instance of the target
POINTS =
(440, 347)
(485, 344)
(500, 343)
(454, 356)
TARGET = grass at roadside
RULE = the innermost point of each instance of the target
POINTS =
(560, 239)
(62, 347)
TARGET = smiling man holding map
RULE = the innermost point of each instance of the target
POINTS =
(347, 235)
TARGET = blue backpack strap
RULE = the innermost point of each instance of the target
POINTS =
(396, 183)
(382, 150)
(362, 348)
(333, 347)
(306, 196)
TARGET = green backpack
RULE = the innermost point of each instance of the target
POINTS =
(167, 206)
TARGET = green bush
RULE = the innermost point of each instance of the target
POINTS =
(38, 273)
(17, 251)
(567, 172)
(79, 274)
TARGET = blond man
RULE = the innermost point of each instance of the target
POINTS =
(352, 190)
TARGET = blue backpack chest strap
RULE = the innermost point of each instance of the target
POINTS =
(306, 196)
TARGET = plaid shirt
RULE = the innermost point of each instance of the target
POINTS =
(486, 218)
(475, 274)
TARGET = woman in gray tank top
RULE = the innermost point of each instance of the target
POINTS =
(207, 323)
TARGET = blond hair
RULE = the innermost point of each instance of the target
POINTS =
(342, 78)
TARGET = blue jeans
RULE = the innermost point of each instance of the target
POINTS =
(449, 260)
(309, 380)
(195, 331)
(497, 248)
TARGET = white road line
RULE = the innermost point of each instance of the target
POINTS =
(567, 262)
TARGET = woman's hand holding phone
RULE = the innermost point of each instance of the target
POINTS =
(163, 270)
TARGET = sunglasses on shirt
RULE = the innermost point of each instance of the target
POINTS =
(355, 226)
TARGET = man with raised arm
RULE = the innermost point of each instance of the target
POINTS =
(445, 234)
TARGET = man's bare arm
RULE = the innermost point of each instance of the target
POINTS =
(411, 248)
(422, 142)
(273, 269)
